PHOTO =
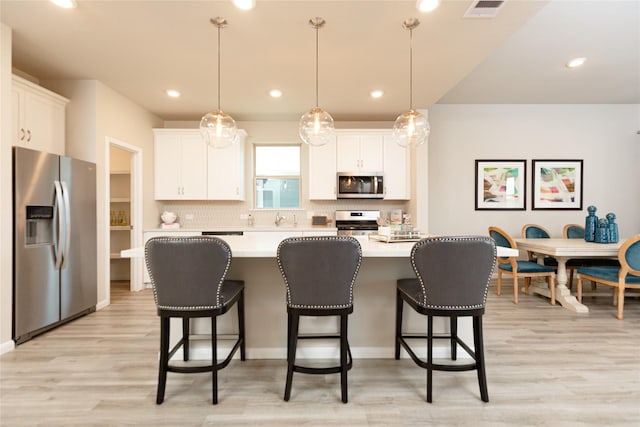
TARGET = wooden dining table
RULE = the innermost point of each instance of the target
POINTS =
(563, 250)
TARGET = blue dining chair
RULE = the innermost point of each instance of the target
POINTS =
(519, 268)
(535, 231)
(576, 231)
(626, 276)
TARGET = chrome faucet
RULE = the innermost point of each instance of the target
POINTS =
(280, 218)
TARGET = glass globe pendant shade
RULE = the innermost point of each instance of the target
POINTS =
(411, 129)
(218, 129)
(316, 127)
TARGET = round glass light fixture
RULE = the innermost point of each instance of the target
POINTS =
(218, 128)
(316, 126)
(411, 129)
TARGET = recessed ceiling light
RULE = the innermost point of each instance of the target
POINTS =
(275, 93)
(173, 93)
(376, 93)
(576, 62)
(66, 4)
(427, 5)
(244, 4)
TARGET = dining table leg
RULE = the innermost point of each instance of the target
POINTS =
(563, 294)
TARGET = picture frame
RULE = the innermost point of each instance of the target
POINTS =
(557, 184)
(500, 185)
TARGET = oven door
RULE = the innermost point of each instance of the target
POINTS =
(360, 186)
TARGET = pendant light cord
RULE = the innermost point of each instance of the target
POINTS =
(218, 67)
(411, 69)
(317, 44)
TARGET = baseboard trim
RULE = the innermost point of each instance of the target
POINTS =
(7, 346)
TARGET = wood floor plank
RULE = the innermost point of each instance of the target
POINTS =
(546, 366)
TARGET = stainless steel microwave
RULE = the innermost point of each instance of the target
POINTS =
(360, 185)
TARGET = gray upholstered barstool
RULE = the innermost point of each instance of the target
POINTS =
(319, 273)
(453, 276)
(188, 275)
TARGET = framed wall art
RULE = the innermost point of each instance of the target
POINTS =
(557, 184)
(501, 184)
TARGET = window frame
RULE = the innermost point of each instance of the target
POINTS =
(255, 177)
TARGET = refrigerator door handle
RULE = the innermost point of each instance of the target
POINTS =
(67, 223)
(59, 235)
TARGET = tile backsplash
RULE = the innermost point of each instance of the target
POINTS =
(203, 214)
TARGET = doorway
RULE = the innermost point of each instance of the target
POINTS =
(123, 167)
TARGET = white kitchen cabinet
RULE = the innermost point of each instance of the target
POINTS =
(225, 171)
(359, 151)
(38, 117)
(322, 171)
(397, 170)
(180, 165)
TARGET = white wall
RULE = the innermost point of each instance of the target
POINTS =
(604, 136)
(6, 201)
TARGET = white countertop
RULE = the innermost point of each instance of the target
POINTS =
(250, 246)
(245, 228)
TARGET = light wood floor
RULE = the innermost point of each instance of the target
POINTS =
(545, 366)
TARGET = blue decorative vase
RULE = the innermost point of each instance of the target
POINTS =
(590, 224)
(613, 228)
(602, 232)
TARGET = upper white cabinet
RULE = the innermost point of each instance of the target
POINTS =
(396, 170)
(359, 151)
(322, 171)
(180, 164)
(38, 117)
(225, 168)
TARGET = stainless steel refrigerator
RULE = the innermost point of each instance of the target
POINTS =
(54, 249)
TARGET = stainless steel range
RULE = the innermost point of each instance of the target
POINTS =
(354, 223)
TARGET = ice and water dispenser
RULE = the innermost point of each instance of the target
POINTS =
(39, 225)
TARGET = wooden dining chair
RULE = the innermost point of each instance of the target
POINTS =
(627, 276)
(576, 231)
(535, 231)
(518, 268)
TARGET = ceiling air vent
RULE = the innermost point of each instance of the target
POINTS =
(484, 8)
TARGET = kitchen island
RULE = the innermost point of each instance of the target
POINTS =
(371, 326)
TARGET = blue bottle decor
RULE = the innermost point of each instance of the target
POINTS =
(602, 231)
(613, 228)
(590, 224)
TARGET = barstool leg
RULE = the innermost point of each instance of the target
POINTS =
(399, 306)
(214, 360)
(185, 338)
(478, 343)
(292, 339)
(453, 323)
(164, 358)
(241, 325)
(343, 357)
(429, 357)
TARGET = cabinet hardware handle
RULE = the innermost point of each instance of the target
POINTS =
(21, 134)
(28, 136)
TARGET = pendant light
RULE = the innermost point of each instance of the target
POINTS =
(411, 129)
(218, 128)
(316, 126)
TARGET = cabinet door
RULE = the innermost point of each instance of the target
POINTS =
(38, 118)
(167, 167)
(347, 153)
(193, 163)
(226, 171)
(396, 170)
(322, 171)
(371, 149)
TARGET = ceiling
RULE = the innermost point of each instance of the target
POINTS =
(142, 48)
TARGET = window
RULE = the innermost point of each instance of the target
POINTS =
(277, 175)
